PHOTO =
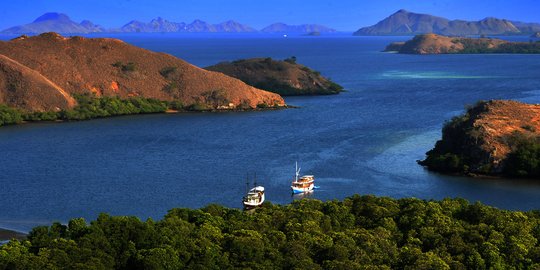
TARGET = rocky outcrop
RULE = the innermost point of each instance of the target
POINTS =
(110, 67)
(404, 22)
(283, 77)
(436, 44)
(481, 140)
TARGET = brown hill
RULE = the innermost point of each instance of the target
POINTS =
(283, 77)
(27, 89)
(436, 44)
(112, 67)
(481, 140)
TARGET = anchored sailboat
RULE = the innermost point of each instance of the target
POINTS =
(306, 183)
(254, 196)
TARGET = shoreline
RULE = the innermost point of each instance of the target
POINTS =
(168, 111)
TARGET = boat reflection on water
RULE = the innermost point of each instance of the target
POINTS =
(303, 195)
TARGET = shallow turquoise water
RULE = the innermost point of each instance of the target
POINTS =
(366, 140)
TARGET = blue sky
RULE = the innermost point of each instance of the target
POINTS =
(346, 15)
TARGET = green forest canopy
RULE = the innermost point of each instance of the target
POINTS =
(360, 232)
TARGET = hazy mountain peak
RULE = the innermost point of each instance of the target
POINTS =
(401, 11)
(52, 16)
(54, 22)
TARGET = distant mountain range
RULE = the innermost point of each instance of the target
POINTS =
(61, 23)
(408, 23)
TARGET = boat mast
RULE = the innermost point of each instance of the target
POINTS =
(255, 179)
(297, 172)
(247, 182)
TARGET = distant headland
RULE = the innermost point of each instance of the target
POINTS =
(436, 44)
(286, 77)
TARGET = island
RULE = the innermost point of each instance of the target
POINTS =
(51, 77)
(437, 44)
(284, 77)
(492, 138)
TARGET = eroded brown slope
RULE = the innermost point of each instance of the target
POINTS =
(502, 118)
(27, 89)
(112, 67)
(437, 44)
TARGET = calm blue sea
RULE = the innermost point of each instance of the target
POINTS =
(365, 141)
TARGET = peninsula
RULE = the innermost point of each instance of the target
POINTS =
(284, 77)
(49, 74)
(499, 138)
(437, 44)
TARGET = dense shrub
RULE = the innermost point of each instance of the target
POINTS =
(167, 71)
(524, 161)
(93, 107)
(361, 232)
(9, 116)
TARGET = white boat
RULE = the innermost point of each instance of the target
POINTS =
(301, 184)
(254, 197)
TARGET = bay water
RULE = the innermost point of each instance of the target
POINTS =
(363, 141)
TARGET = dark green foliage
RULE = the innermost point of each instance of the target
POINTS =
(167, 71)
(482, 46)
(93, 107)
(176, 105)
(262, 105)
(130, 66)
(447, 156)
(276, 76)
(9, 116)
(452, 154)
(361, 232)
(291, 60)
(215, 98)
(88, 107)
(198, 107)
(524, 161)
